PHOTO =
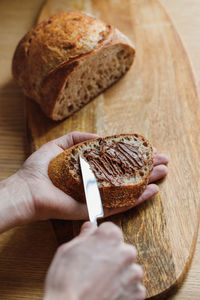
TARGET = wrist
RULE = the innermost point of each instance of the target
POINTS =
(16, 206)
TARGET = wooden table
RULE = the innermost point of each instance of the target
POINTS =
(25, 252)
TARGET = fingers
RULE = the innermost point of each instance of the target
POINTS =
(136, 272)
(106, 230)
(139, 291)
(151, 191)
(51, 149)
(59, 205)
(87, 229)
(70, 209)
(110, 230)
(66, 207)
(159, 172)
(131, 282)
(74, 138)
(161, 159)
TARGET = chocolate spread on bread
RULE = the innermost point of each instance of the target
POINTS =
(112, 162)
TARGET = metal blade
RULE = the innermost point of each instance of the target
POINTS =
(92, 195)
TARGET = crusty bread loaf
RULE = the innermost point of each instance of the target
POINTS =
(67, 60)
(121, 164)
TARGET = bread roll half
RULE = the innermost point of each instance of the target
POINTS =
(121, 164)
(69, 59)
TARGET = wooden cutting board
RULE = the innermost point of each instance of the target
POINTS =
(157, 98)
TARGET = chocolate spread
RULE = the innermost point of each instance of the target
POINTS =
(112, 163)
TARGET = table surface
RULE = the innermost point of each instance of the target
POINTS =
(26, 252)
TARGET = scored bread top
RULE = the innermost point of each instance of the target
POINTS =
(59, 39)
(69, 59)
(64, 170)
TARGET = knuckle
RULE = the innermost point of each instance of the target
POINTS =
(87, 229)
(74, 132)
(129, 253)
(162, 170)
(110, 230)
(136, 272)
(86, 226)
(141, 291)
(62, 250)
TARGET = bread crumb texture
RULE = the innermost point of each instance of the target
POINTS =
(68, 59)
(122, 166)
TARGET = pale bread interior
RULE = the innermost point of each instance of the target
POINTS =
(138, 176)
(94, 74)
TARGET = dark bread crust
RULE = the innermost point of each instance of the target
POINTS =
(49, 53)
(112, 196)
(48, 44)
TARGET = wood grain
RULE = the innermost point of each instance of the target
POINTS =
(158, 99)
(24, 279)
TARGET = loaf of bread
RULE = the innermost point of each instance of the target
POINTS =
(121, 164)
(69, 59)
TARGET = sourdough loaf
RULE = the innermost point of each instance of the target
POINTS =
(67, 60)
(121, 164)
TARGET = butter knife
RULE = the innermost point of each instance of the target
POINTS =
(92, 195)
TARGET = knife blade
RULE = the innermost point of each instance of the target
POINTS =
(92, 195)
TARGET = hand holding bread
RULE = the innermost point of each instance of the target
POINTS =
(121, 164)
(48, 201)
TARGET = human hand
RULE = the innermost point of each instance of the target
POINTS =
(47, 201)
(95, 265)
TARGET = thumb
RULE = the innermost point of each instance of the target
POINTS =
(87, 229)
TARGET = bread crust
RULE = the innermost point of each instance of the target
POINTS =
(50, 52)
(112, 196)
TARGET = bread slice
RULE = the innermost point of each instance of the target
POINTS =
(69, 59)
(121, 164)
